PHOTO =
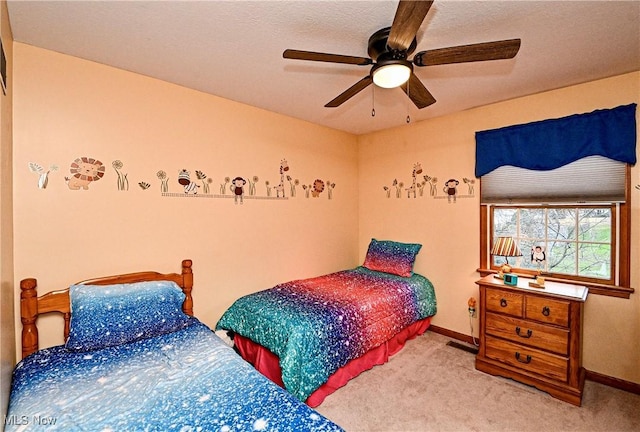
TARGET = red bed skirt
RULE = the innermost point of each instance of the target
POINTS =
(269, 364)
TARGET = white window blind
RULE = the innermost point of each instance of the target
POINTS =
(593, 179)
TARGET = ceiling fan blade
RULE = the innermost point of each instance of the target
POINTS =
(350, 92)
(417, 92)
(323, 57)
(407, 22)
(497, 50)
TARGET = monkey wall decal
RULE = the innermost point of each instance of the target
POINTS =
(451, 189)
(237, 187)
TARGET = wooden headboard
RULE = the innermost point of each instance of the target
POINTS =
(58, 301)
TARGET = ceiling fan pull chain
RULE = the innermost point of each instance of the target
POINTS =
(373, 101)
(408, 99)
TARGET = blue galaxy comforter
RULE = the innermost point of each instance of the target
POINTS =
(318, 325)
(188, 380)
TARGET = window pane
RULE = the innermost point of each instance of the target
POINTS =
(594, 260)
(562, 257)
(562, 223)
(504, 222)
(595, 225)
(532, 224)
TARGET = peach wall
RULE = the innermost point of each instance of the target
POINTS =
(449, 232)
(67, 108)
(7, 335)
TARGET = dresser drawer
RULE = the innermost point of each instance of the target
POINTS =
(528, 359)
(506, 302)
(529, 333)
(547, 310)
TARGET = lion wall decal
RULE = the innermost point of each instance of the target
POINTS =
(84, 170)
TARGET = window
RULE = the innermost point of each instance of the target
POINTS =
(587, 244)
(560, 241)
(578, 215)
(562, 189)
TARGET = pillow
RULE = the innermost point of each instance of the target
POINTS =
(109, 315)
(391, 257)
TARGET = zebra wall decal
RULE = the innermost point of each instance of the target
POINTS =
(185, 180)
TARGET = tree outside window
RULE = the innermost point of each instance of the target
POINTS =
(569, 241)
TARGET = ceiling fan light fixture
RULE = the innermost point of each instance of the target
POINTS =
(392, 73)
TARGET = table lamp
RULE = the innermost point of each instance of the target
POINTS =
(506, 247)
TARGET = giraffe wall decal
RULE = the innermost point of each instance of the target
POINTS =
(417, 170)
(284, 167)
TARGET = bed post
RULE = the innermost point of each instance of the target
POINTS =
(28, 314)
(187, 279)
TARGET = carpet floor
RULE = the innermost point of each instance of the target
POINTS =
(431, 386)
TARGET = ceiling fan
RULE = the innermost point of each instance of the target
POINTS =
(390, 47)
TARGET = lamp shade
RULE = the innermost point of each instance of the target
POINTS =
(506, 247)
(392, 73)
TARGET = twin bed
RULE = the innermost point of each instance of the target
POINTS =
(136, 359)
(312, 336)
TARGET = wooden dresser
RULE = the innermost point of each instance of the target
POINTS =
(533, 335)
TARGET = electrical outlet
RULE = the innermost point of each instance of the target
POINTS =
(472, 307)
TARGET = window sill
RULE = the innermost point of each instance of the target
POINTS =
(598, 289)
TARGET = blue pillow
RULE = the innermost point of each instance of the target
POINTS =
(109, 315)
(391, 257)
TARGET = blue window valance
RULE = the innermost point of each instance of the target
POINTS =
(550, 144)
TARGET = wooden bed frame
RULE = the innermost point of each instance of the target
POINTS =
(58, 301)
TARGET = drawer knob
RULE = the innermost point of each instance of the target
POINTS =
(546, 311)
(527, 361)
(527, 336)
(503, 302)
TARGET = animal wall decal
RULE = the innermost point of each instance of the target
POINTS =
(452, 192)
(193, 183)
(43, 175)
(237, 188)
(314, 190)
(451, 189)
(416, 188)
(279, 188)
(184, 178)
(318, 188)
(417, 169)
(84, 170)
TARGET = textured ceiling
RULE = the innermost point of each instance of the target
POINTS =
(233, 49)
